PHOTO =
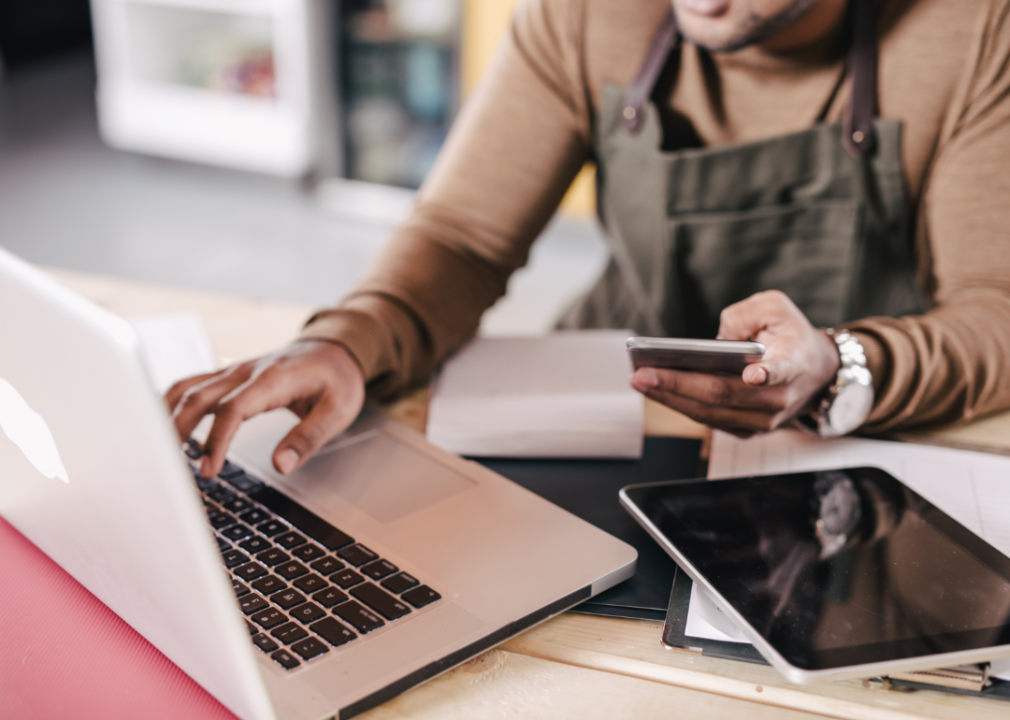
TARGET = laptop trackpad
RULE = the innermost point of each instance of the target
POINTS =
(381, 476)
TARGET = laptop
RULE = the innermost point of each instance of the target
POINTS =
(380, 564)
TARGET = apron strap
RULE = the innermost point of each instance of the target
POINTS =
(858, 135)
(637, 95)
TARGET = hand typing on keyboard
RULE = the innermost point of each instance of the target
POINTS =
(318, 381)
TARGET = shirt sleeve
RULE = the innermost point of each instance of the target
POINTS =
(953, 362)
(513, 151)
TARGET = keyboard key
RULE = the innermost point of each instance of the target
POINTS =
(245, 483)
(222, 544)
(222, 495)
(251, 628)
(290, 570)
(285, 659)
(289, 633)
(192, 449)
(237, 532)
(289, 540)
(309, 583)
(271, 617)
(237, 505)
(288, 599)
(219, 520)
(307, 553)
(254, 517)
(239, 588)
(332, 632)
(357, 555)
(329, 597)
(307, 613)
(255, 544)
(250, 571)
(419, 597)
(270, 584)
(380, 600)
(309, 648)
(234, 557)
(358, 617)
(327, 565)
(251, 603)
(264, 643)
(309, 523)
(376, 570)
(271, 528)
(346, 578)
(229, 470)
(399, 582)
(273, 556)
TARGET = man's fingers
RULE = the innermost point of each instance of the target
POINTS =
(175, 393)
(328, 417)
(201, 398)
(260, 393)
(740, 422)
(726, 391)
(771, 372)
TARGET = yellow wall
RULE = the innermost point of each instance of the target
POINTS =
(484, 23)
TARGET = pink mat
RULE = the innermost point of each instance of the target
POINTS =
(64, 654)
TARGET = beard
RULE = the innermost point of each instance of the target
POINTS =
(752, 29)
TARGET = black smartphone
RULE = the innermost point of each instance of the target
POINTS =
(727, 357)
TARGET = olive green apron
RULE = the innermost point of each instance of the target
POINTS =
(821, 214)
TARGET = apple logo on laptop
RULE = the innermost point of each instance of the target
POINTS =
(29, 431)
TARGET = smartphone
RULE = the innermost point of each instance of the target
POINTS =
(727, 357)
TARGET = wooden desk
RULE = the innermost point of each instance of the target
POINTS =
(574, 665)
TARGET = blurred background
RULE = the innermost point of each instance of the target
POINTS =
(262, 147)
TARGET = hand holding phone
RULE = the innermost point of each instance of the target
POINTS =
(724, 357)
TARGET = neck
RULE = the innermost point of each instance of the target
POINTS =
(816, 24)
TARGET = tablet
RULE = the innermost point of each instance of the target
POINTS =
(835, 574)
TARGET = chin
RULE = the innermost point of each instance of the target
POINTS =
(718, 25)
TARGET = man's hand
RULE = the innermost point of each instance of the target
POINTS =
(318, 381)
(799, 362)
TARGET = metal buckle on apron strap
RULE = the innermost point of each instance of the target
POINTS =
(637, 95)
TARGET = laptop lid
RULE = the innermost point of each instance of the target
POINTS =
(90, 473)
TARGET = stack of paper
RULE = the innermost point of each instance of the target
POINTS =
(561, 395)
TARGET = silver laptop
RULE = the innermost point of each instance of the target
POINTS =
(381, 564)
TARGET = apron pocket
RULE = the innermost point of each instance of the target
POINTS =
(805, 249)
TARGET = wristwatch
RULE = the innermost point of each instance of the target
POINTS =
(846, 404)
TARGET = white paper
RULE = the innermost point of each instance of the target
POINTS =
(560, 395)
(173, 346)
(706, 620)
(972, 487)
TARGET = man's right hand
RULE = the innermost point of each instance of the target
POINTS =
(318, 381)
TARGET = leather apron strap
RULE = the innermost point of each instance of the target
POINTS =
(858, 135)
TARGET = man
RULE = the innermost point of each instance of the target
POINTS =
(768, 168)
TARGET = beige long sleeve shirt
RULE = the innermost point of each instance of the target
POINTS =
(521, 138)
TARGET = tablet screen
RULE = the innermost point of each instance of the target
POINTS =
(837, 568)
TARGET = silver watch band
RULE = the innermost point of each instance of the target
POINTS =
(847, 403)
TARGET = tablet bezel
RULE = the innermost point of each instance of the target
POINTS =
(849, 658)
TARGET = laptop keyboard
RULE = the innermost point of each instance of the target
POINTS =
(304, 586)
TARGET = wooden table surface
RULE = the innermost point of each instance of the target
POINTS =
(576, 665)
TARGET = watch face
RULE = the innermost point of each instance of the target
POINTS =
(850, 407)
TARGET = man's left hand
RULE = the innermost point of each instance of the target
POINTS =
(800, 362)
